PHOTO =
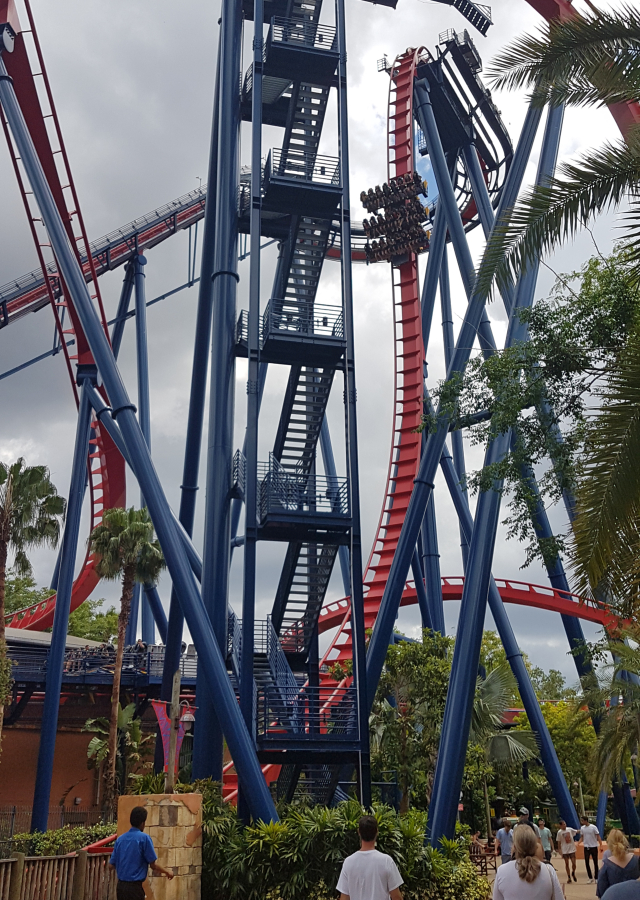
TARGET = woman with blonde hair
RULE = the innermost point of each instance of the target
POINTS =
(526, 877)
(620, 865)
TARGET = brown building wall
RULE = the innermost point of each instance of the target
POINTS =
(18, 762)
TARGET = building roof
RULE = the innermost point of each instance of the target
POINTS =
(25, 637)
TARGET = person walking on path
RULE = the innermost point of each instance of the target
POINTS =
(524, 819)
(546, 839)
(592, 842)
(567, 848)
(620, 866)
(526, 877)
(504, 842)
(369, 874)
(132, 855)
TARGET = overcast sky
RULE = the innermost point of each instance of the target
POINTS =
(133, 84)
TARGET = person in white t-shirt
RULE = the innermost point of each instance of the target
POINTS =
(369, 874)
(592, 842)
(567, 848)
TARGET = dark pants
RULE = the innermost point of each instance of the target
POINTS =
(130, 890)
(547, 855)
(591, 853)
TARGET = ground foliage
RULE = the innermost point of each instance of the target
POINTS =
(59, 841)
(544, 389)
(299, 857)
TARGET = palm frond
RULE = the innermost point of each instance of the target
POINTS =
(492, 698)
(510, 748)
(549, 214)
(562, 53)
(606, 530)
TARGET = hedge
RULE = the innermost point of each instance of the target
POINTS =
(299, 857)
(59, 841)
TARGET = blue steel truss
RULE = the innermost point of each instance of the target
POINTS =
(285, 713)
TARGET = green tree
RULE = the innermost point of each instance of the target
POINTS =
(407, 714)
(30, 515)
(491, 746)
(91, 622)
(617, 698)
(588, 60)
(132, 745)
(21, 591)
(549, 685)
(574, 740)
(126, 550)
(546, 389)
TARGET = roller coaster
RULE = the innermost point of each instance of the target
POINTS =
(262, 684)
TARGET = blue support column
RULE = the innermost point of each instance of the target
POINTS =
(123, 308)
(55, 659)
(430, 459)
(247, 683)
(601, 813)
(423, 603)
(197, 394)
(330, 468)
(464, 669)
(514, 656)
(430, 558)
(207, 748)
(457, 442)
(449, 768)
(144, 409)
(351, 425)
(212, 665)
(431, 564)
(152, 598)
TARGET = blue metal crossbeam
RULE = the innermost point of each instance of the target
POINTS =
(477, 14)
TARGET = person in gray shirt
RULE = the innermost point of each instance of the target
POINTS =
(504, 842)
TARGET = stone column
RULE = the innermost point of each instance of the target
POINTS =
(174, 824)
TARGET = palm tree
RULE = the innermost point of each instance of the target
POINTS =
(617, 696)
(31, 512)
(126, 549)
(590, 60)
(131, 745)
(502, 748)
(584, 60)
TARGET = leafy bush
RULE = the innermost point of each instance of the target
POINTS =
(299, 858)
(59, 841)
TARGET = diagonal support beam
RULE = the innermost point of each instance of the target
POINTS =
(213, 668)
(430, 459)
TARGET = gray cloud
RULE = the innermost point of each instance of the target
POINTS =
(133, 84)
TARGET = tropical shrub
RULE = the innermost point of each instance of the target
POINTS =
(59, 841)
(299, 857)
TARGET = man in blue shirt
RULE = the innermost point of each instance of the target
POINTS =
(132, 855)
(504, 841)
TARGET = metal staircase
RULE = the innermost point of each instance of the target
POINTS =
(304, 408)
(301, 191)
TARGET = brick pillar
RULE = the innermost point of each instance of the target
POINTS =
(174, 824)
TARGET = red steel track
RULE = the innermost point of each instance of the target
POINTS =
(106, 466)
(107, 481)
(405, 449)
